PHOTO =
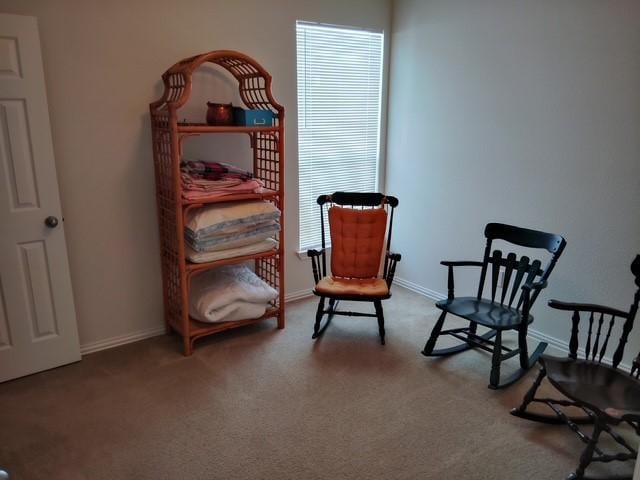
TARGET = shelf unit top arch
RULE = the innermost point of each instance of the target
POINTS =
(254, 82)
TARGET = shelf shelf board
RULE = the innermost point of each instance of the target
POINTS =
(200, 267)
(200, 329)
(232, 198)
(204, 128)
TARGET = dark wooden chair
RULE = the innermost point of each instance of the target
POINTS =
(358, 227)
(594, 384)
(526, 279)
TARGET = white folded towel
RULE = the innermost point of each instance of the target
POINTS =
(212, 293)
(235, 311)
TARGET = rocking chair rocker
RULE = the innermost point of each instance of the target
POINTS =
(500, 315)
(357, 242)
(608, 396)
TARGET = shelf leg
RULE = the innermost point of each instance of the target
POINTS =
(280, 320)
(187, 345)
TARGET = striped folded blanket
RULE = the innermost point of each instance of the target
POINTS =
(236, 239)
(228, 218)
(213, 255)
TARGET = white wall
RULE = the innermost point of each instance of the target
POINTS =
(102, 62)
(520, 112)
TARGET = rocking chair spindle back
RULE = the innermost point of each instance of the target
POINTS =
(595, 383)
(523, 281)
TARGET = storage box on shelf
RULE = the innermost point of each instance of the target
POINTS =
(267, 144)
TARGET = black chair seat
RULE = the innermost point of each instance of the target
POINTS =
(483, 312)
(599, 387)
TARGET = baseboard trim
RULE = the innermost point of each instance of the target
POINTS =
(414, 287)
(298, 295)
(112, 342)
(557, 346)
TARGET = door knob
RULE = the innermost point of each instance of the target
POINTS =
(51, 222)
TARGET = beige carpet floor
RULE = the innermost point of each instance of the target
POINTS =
(260, 403)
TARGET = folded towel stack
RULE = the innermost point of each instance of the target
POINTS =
(232, 229)
(214, 179)
(228, 293)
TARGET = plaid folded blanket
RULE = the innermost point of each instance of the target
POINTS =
(191, 183)
(198, 169)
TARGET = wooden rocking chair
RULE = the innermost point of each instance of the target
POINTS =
(608, 396)
(499, 315)
(357, 242)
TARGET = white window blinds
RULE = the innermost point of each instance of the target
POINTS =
(339, 96)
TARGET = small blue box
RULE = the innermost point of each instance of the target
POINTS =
(253, 118)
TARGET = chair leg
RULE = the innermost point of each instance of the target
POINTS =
(587, 454)
(332, 304)
(435, 333)
(319, 314)
(494, 379)
(473, 327)
(380, 314)
(530, 395)
(523, 347)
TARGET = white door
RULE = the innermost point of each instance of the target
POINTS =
(37, 316)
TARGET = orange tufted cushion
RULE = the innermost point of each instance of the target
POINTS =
(357, 240)
(367, 287)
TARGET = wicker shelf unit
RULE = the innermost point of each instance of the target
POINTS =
(168, 135)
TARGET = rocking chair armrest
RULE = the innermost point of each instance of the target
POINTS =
(391, 260)
(396, 257)
(317, 264)
(635, 368)
(527, 288)
(458, 263)
(461, 263)
(586, 307)
(314, 253)
(534, 286)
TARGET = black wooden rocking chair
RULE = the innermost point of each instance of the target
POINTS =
(608, 396)
(499, 315)
(357, 243)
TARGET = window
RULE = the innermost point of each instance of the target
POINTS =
(339, 96)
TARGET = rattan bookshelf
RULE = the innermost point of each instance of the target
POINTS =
(168, 135)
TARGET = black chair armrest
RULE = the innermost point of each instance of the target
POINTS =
(635, 368)
(317, 263)
(534, 285)
(457, 263)
(391, 260)
(586, 307)
(461, 263)
(396, 257)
